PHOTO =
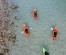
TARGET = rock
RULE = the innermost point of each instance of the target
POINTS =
(1, 53)
(5, 50)
(14, 6)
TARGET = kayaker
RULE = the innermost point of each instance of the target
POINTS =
(55, 32)
(35, 14)
(26, 30)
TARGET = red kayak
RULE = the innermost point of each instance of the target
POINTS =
(26, 30)
(55, 33)
(35, 14)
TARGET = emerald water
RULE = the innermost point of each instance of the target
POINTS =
(51, 13)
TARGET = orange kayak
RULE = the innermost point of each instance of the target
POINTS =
(26, 30)
(55, 33)
(35, 14)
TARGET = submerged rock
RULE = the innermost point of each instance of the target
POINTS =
(7, 33)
